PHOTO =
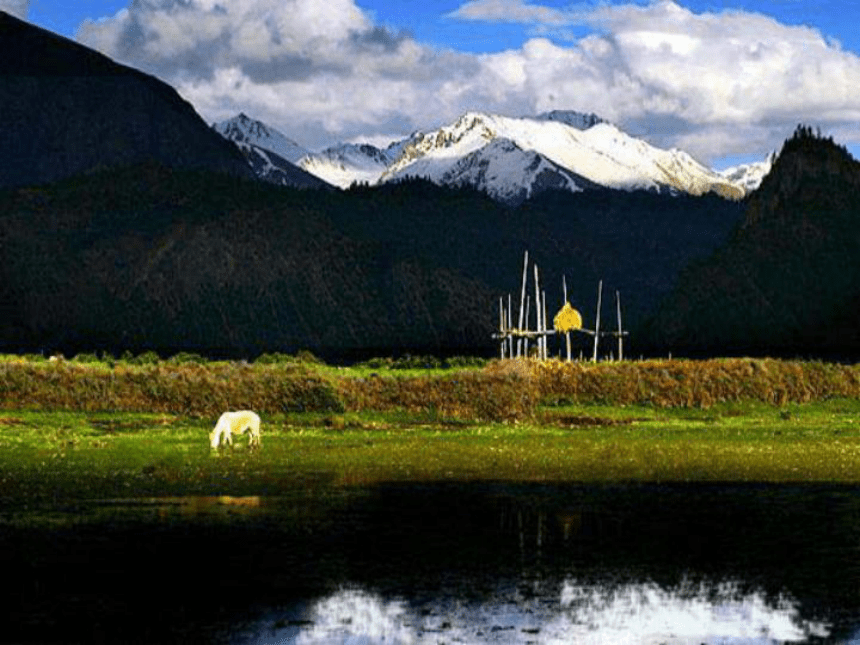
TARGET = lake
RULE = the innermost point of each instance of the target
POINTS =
(442, 563)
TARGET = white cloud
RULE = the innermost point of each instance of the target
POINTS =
(685, 79)
(510, 11)
(321, 70)
(17, 8)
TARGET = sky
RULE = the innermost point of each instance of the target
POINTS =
(725, 81)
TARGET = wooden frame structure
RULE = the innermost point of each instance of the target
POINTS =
(514, 341)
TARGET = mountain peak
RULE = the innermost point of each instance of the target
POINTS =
(578, 120)
(509, 158)
(242, 129)
(588, 150)
(805, 171)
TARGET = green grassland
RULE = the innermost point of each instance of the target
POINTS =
(107, 429)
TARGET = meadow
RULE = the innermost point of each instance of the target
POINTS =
(106, 428)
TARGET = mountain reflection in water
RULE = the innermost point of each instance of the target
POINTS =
(469, 563)
(634, 614)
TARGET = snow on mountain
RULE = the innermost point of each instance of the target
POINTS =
(242, 129)
(510, 158)
(349, 163)
(271, 167)
(509, 174)
(270, 154)
(749, 176)
(602, 155)
(577, 120)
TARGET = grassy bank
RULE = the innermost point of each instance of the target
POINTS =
(494, 391)
(59, 456)
(74, 429)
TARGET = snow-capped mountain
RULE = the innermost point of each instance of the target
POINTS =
(270, 154)
(348, 163)
(508, 173)
(749, 176)
(511, 158)
(243, 129)
(273, 168)
(602, 155)
(576, 120)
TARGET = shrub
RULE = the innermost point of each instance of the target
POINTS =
(409, 362)
(86, 358)
(306, 356)
(465, 361)
(275, 358)
(376, 363)
(183, 358)
(146, 358)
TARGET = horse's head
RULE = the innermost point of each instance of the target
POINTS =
(213, 438)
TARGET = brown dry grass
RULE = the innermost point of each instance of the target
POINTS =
(193, 390)
(688, 383)
(499, 392)
(502, 391)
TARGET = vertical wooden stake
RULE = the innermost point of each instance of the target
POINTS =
(510, 326)
(537, 313)
(526, 338)
(502, 339)
(522, 301)
(545, 337)
(620, 337)
(597, 321)
(567, 333)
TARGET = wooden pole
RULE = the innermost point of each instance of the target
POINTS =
(567, 333)
(503, 339)
(620, 336)
(522, 301)
(537, 313)
(545, 338)
(510, 326)
(526, 339)
(597, 321)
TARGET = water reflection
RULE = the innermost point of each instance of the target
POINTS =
(629, 614)
(197, 505)
(680, 565)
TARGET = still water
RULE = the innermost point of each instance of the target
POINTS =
(442, 563)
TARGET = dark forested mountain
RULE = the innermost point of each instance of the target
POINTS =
(67, 109)
(127, 223)
(150, 257)
(788, 280)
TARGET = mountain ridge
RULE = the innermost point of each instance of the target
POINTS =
(559, 149)
(92, 113)
(787, 281)
(156, 258)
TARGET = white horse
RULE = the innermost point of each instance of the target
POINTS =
(237, 422)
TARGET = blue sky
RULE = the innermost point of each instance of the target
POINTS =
(426, 21)
(726, 81)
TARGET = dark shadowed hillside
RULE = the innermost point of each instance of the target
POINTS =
(67, 109)
(149, 257)
(788, 281)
